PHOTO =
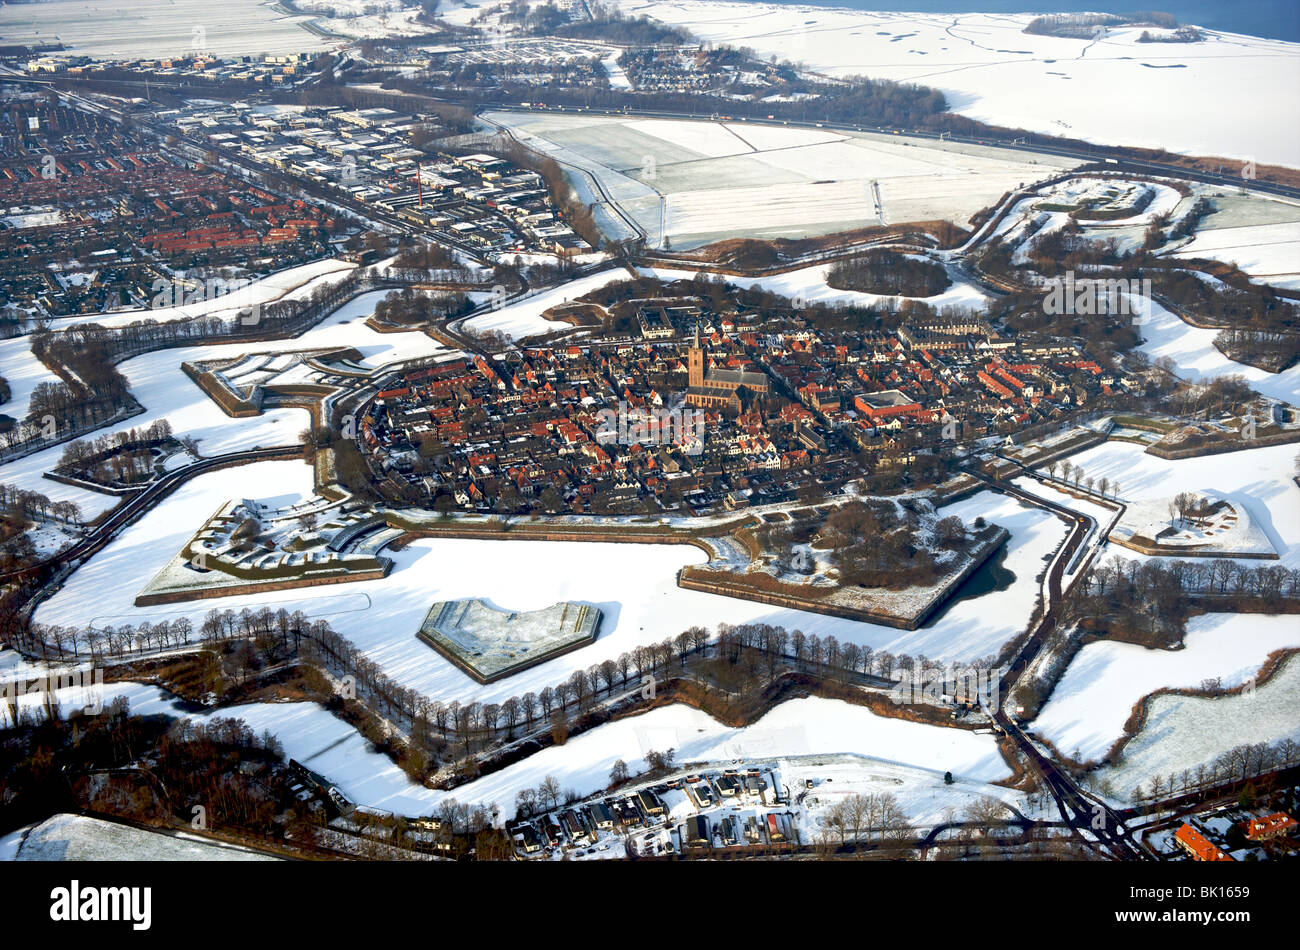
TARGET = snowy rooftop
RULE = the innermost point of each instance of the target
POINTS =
(490, 643)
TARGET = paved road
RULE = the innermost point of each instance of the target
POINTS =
(1080, 526)
(1086, 153)
(1079, 810)
(136, 505)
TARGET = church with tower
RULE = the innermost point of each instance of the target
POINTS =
(717, 388)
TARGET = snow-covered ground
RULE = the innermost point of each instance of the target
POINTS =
(905, 758)
(1090, 705)
(292, 283)
(1227, 531)
(1182, 732)
(698, 181)
(809, 285)
(1268, 252)
(158, 383)
(1258, 480)
(155, 28)
(921, 794)
(1095, 696)
(10, 843)
(87, 694)
(992, 71)
(617, 76)
(23, 372)
(796, 728)
(80, 838)
(801, 727)
(634, 585)
(524, 317)
(1198, 360)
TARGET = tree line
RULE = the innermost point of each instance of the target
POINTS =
(1239, 764)
(122, 457)
(889, 272)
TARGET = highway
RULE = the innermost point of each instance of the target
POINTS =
(1010, 139)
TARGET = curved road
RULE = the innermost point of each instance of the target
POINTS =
(1079, 810)
(1097, 154)
(135, 505)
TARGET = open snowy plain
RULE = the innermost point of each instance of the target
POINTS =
(694, 182)
(992, 71)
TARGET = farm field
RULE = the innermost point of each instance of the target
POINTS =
(159, 27)
(692, 182)
(1086, 713)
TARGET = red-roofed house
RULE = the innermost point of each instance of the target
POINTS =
(1197, 845)
(1270, 826)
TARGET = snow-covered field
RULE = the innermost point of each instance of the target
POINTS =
(921, 794)
(292, 283)
(1196, 358)
(1258, 480)
(1094, 698)
(1268, 252)
(992, 71)
(524, 317)
(800, 727)
(635, 586)
(698, 181)
(809, 285)
(795, 728)
(80, 838)
(22, 371)
(158, 383)
(1182, 732)
(905, 758)
(1087, 711)
(1228, 531)
(88, 695)
(154, 28)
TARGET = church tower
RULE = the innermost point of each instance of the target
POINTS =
(695, 362)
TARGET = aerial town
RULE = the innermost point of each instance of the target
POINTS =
(471, 431)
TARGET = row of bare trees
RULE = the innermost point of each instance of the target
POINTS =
(1120, 577)
(1239, 764)
(873, 818)
(22, 503)
(1074, 474)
